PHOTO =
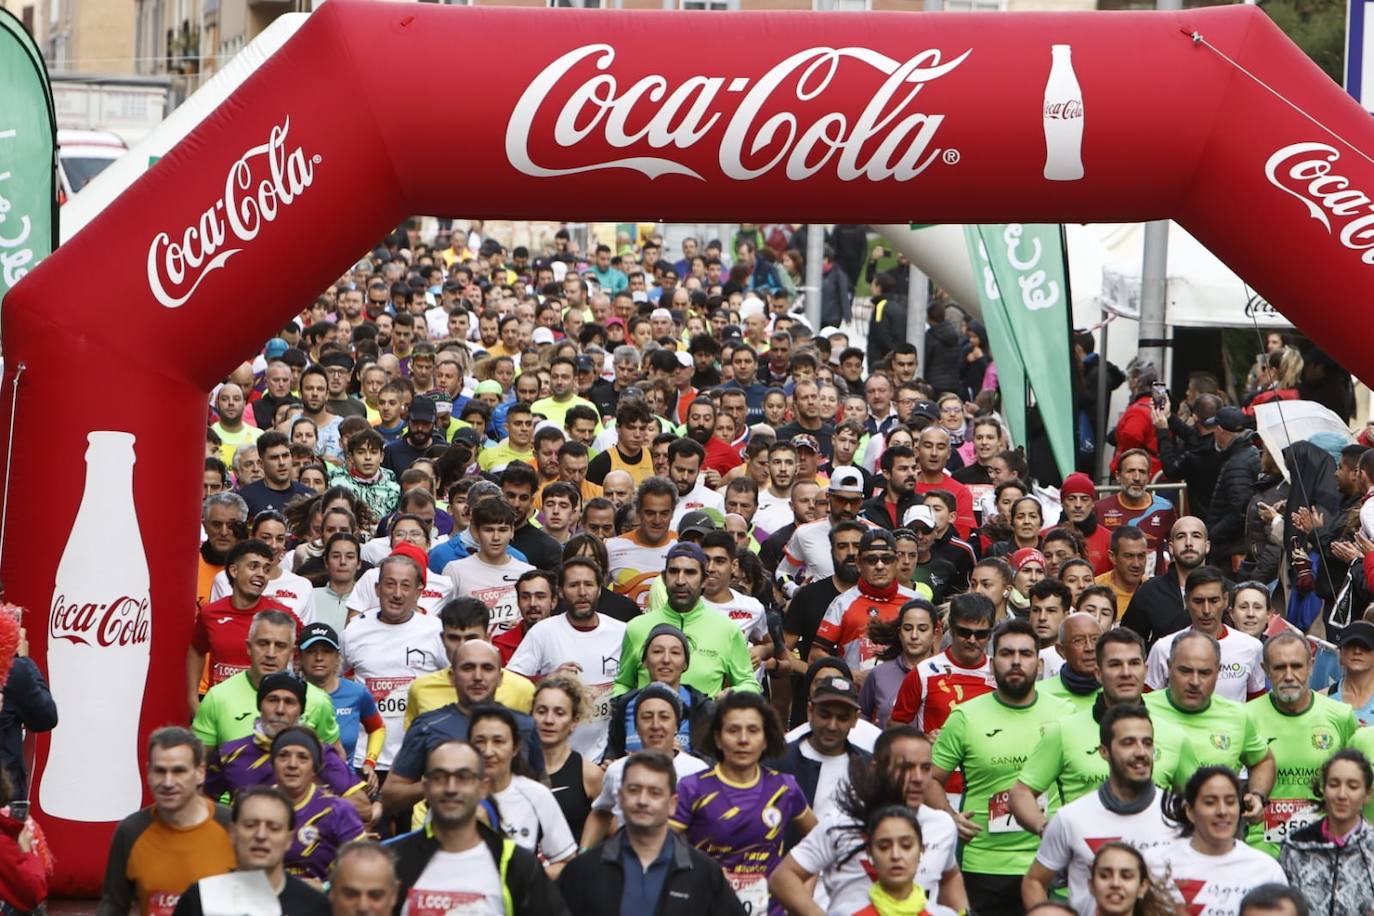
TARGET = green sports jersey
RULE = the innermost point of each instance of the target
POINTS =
(1054, 687)
(719, 659)
(1067, 756)
(1221, 733)
(231, 707)
(989, 741)
(1363, 741)
(1300, 744)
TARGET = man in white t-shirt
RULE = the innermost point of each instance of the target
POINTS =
(775, 507)
(685, 457)
(1127, 807)
(580, 642)
(434, 590)
(490, 574)
(459, 859)
(1241, 675)
(746, 611)
(385, 650)
(1050, 603)
(834, 849)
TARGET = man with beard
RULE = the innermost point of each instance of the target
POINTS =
(775, 510)
(876, 596)
(562, 391)
(580, 642)
(224, 518)
(1207, 597)
(338, 369)
(1128, 805)
(1157, 608)
(932, 454)
(701, 428)
(744, 363)
(685, 457)
(1136, 506)
(457, 862)
(1065, 754)
(810, 602)
(807, 556)
(1078, 497)
(805, 505)
(230, 428)
(989, 738)
(822, 759)
(314, 394)
(1303, 729)
(806, 401)
(888, 508)
(277, 487)
(278, 378)
(419, 437)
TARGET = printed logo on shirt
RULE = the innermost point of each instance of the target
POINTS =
(1321, 740)
(1221, 742)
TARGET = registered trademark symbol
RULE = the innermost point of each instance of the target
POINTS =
(316, 158)
(951, 156)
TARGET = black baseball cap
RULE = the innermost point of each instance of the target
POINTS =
(878, 539)
(1360, 632)
(318, 632)
(835, 689)
(422, 409)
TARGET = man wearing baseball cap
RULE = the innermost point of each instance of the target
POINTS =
(317, 658)
(876, 596)
(807, 554)
(419, 435)
(720, 656)
(821, 760)
(933, 571)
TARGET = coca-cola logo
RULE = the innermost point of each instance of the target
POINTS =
(1066, 110)
(1307, 171)
(121, 622)
(265, 180)
(652, 114)
(1258, 307)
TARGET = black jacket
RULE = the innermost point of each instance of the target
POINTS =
(807, 773)
(1157, 609)
(875, 510)
(837, 297)
(594, 882)
(1226, 512)
(944, 358)
(27, 706)
(529, 890)
(1193, 459)
(886, 329)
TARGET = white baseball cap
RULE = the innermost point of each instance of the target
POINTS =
(542, 336)
(847, 482)
(919, 515)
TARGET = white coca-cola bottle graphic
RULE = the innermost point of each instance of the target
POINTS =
(98, 646)
(1063, 118)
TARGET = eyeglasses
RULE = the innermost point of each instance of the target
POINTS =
(970, 633)
(464, 777)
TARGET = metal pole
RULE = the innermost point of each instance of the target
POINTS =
(917, 300)
(1153, 274)
(815, 254)
(1102, 405)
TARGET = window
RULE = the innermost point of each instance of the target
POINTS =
(844, 6)
(975, 6)
(717, 5)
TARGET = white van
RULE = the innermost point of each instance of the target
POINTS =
(82, 155)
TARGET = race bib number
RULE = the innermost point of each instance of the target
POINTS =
(162, 903)
(1282, 816)
(601, 702)
(1000, 819)
(752, 890)
(220, 671)
(504, 612)
(389, 694)
(446, 903)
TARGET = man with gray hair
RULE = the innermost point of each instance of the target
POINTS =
(223, 518)
(388, 648)
(247, 465)
(1219, 730)
(363, 881)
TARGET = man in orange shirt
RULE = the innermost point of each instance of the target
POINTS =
(224, 518)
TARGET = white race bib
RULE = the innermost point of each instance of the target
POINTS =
(1282, 816)
(752, 890)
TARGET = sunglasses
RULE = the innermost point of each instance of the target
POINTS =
(878, 559)
(970, 633)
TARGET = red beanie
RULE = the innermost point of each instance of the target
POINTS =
(1078, 482)
(405, 548)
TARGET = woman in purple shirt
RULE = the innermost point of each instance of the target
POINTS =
(738, 811)
(324, 822)
(910, 638)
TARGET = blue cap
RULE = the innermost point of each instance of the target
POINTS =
(685, 549)
(275, 348)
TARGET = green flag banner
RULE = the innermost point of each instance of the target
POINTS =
(28, 148)
(1025, 297)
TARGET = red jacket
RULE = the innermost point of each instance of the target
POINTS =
(1136, 429)
(23, 880)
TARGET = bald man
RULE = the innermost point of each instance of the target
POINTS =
(230, 427)
(618, 487)
(476, 674)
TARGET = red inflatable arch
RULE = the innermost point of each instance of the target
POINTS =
(880, 117)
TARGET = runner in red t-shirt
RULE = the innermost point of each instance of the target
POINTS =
(221, 627)
(932, 454)
(1078, 496)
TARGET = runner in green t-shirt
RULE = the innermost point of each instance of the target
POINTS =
(988, 738)
(1302, 730)
(1067, 757)
(229, 710)
(1363, 741)
(1218, 729)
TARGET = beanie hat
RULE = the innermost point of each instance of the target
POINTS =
(1078, 482)
(657, 691)
(667, 629)
(299, 737)
(282, 680)
(407, 549)
(1026, 555)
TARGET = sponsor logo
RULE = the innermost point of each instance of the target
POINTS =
(1307, 172)
(886, 140)
(258, 187)
(1321, 740)
(1221, 742)
(123, 621)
